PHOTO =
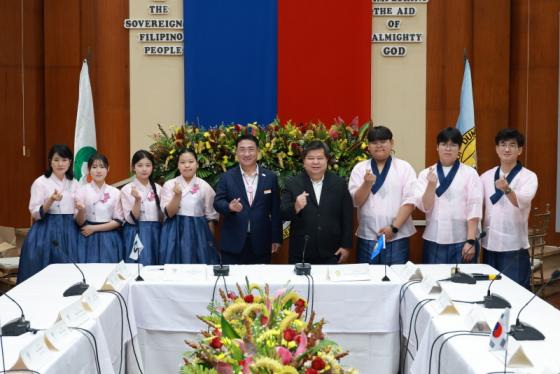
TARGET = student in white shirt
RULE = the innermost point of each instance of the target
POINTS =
(53, 237)
(508, 191)
(382, 189)
(450, 193)
(99, 214)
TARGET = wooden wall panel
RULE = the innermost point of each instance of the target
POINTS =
(533, 103)
(20, 170)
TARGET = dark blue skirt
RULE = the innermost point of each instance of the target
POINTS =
(187, 240)
(53, 239)
(105, 246)
(149, 233)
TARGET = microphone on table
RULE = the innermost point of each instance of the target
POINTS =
(79, 287)
(303, 268)
(17, 326)
(493, 301)
(220, 270)
(457, 275)
(523, 331)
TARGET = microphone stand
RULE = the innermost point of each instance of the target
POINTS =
(79, 287)
(17, 326)
(523, 331)
(303, 268)
(139, 277)
(386, 278)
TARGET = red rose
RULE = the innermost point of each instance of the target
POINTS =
(231, 295)
(297, 339)
(264, 320)
(249, 298)
(300, 306)
(289, 334)
(318, 363)
(216, 343)
(311, 371)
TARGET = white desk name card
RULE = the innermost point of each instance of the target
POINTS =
(59, 335)
(185, 272)
(431, 285)
(35, 355)
(349, 273)
(113, 282)
(412, 272)
(444, 305)
(91, 300)
(74, 314)
(518, 359)
(123, 271)
(476, 320)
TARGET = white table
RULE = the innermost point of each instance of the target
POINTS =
(41, 299)
(361, 316)
(469, 354)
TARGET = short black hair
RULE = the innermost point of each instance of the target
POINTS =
(379, 133)
(250, 137)
(65, 152)
(187, 150)
(450, 134)
(315, 145)
(510, 134)
(98, 157)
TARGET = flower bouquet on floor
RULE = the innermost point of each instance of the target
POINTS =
(252, 331)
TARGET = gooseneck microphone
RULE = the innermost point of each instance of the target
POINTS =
(17, 326)
(303, 268)
(457, 275)
(523, 331)
(77, 288)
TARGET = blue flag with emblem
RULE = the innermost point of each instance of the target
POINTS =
(378, 246)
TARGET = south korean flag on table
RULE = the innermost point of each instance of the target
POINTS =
(137, 248)
(499, 337)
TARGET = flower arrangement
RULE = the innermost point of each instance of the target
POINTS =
(255, 332)
(280, 147)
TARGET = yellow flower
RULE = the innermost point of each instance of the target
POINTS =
(364, 145)
(206, 134)
(172, 151)
(208, 145)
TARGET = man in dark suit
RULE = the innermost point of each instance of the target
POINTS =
(248, 198)
(319, 206)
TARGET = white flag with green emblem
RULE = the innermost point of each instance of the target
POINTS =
(84, 135)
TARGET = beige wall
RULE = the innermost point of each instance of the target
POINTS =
(399, 86)
(156, 82)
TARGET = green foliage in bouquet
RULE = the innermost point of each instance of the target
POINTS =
(254, 332)
(281, 146)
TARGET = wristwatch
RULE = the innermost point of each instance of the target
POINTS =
(507, 190)
(470, 241)
(394, 229)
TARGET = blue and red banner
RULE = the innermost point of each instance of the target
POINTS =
(251, 60)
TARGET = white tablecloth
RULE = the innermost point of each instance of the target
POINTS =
(468, 354)
(361, 316)
(41, 299)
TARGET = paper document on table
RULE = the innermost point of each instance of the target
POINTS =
(185, 272)
(346, 273)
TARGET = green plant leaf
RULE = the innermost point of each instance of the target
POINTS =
(227, 329)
